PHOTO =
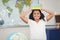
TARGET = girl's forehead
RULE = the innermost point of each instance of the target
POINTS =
(36, 12)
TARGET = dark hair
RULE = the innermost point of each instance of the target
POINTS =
(31, 15)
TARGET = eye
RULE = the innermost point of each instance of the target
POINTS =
(34, 13)
(38, 13)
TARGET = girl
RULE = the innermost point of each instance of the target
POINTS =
(37, 22)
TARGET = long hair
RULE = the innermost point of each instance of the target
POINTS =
(31, 15)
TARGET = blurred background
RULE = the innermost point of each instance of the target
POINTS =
(10, 21)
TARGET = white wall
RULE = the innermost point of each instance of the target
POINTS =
(52, 4)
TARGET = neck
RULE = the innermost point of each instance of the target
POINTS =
(37, 20)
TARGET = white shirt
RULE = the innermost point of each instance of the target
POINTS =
(38, 30)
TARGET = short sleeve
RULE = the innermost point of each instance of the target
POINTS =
(45, 19)
(30, 21)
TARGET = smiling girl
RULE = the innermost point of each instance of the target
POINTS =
(37, 22)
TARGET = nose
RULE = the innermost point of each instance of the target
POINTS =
(36, 14)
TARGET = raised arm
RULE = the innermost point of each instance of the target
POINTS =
(23, 15)
(50, 14)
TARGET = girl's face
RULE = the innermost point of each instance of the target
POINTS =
(36, 15)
